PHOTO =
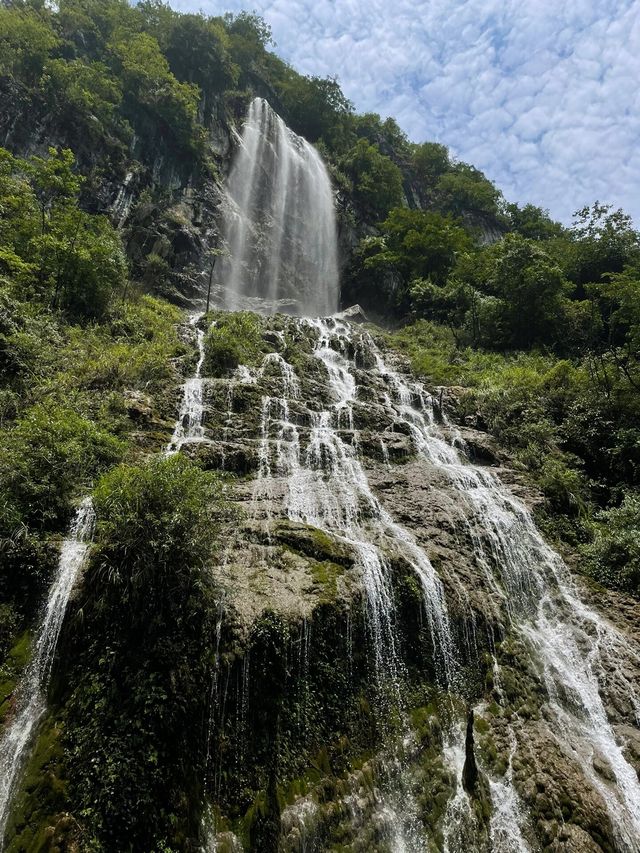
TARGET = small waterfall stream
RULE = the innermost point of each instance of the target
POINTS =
(189, 424)
(31, 695)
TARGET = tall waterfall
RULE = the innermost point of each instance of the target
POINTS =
(280, 228)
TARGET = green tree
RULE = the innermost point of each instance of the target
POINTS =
(387, 135)
(530, 286)
(604, 241)
(87, 98)
(316, 108)
(431, 161)
(614, 556)
(424, 244)
(377, 181)
(148, 82)
(465, 189)
(198, 52)
(619, 301)
(533, 222)
(26, 41)
(49, 245)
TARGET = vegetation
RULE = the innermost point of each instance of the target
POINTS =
(232, 340)
(537, 326)
(76, 342)
(136, 717)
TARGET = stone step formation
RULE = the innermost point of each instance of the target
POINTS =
(442, 597)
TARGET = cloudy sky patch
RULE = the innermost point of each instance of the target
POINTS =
(542, 95)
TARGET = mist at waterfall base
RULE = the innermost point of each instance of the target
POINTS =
(279, 230)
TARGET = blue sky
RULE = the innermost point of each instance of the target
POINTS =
(542, 95)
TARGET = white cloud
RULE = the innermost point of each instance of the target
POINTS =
(543, 96)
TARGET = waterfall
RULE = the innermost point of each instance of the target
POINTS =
(188, 427)
(544, 605)
(31, 695)
(279, 226)
(327, 487)
(312, 467)
(31, 698)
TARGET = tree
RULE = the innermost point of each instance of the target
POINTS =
(465, 190)
(52, 247)
(316, 108)
(424, 244)
(87, 98)
(533, 222)
(531, 287)
(148, 82)
(26, 41)
(605, 242)
(198, 52)
(377, 181)
(143, 653)
(619, 298)
(431, 161)
(387, 135)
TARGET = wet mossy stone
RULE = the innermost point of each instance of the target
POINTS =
(313, 542)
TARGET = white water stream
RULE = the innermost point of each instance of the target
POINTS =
(31, 695)
(544, 603)
(188, 427)
(280, 225)
(327, 487)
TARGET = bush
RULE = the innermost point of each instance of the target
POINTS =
(140, 657)
(45, 458)
(614, 556)
(233, 339)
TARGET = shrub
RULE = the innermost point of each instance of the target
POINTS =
(614, 556)
(141, 657)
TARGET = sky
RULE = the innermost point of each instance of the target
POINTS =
(541, 95)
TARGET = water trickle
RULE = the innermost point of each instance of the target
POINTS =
(279, 228)
(189, 427)
(505, 830)
(31, 698)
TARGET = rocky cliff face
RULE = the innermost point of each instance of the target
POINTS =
(398, 661)
(376, 586)
(164, 199)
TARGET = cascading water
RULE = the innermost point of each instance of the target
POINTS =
(31, 697)
(189, 424)
(328, 488)
(311, 469)
(543, 604)
(279, 228)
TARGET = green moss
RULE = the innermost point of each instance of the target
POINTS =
(326, 576)
(42, 797)
(11, 670)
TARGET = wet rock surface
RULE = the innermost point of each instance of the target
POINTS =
(288, 430)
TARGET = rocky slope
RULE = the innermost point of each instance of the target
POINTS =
(341, 696)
